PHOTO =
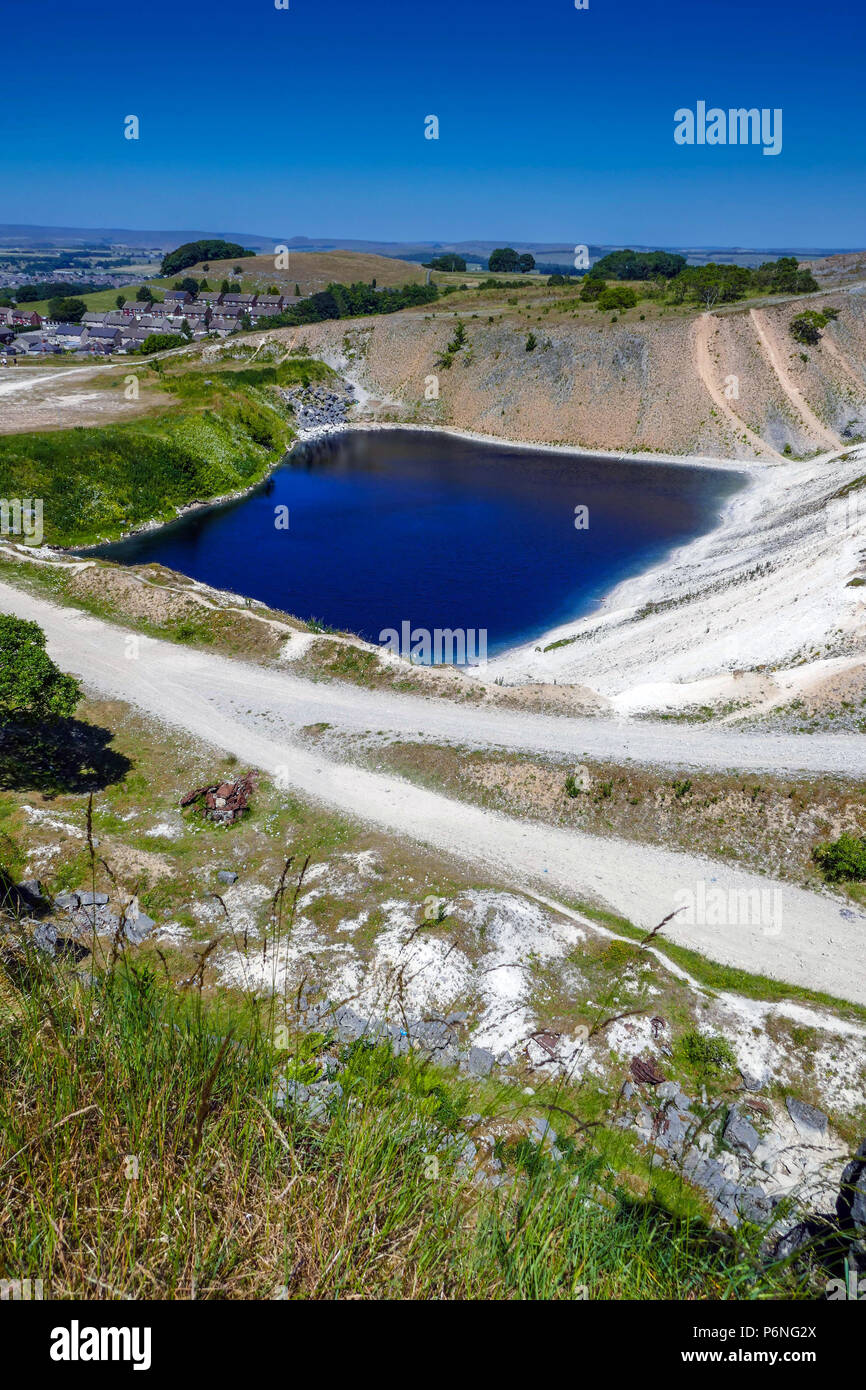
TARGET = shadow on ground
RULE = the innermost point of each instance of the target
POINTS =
(69, 756)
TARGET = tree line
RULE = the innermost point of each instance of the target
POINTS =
(349, 301)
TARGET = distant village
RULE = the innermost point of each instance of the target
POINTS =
(123, 330)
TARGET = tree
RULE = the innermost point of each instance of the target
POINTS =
(185, 329)
(450, 261)
(187, 283)
(525, 263)
(640, 265)
(505, 258)
(298, 291)
(66, 310)
(203, 285)
(246, 322)
(144, 295)
(120, 300)
(531, 343)
(32, 688)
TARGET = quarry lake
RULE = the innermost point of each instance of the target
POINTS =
(387, 527)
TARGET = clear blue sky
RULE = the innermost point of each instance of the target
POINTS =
(555, 123)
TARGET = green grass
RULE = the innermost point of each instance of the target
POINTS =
(141, 1157)
(720, 977)
(228, 430)
(98, 299)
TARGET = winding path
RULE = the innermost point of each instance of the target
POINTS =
(779, 930)
(820, 432)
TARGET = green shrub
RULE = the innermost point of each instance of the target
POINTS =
(842, 860)
(705, 1054)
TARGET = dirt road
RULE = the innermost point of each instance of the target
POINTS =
(770, 928)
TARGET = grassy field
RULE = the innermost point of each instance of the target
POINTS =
(227, 427)
(97, 299)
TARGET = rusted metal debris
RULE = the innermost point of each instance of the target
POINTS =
(645, 1071)
(223, 802)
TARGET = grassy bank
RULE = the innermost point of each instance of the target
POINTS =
(219, 431)
(142, 1156)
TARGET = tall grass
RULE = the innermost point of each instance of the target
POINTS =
(141, 1156)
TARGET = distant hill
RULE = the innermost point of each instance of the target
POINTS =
(24, 235)
(310, 270)
(839, 269)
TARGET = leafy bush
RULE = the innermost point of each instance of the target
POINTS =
(842, 860)
(706, 1054)
(806, 327)
(592, 288)
(617, 297)
(161, 342)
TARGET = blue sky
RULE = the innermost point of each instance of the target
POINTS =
(554, 123)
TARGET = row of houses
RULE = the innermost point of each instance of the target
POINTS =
(125, 328)
(211, 312)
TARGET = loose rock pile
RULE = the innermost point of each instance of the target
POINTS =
(61, 926)
(755, 1160)
(223, 802)
(316, 406)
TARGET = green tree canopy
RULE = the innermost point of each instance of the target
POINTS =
(194, 251)
(640, 265)
(66, 310)
(31, 686)
(450, 261)
(592, 288)
(189, 284)
(505, 258)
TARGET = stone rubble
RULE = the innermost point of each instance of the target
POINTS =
(317, 407)
(223, 802)
(78, 915)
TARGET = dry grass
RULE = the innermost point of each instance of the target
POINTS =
(312, 270)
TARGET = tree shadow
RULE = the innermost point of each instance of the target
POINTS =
(65, 756)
